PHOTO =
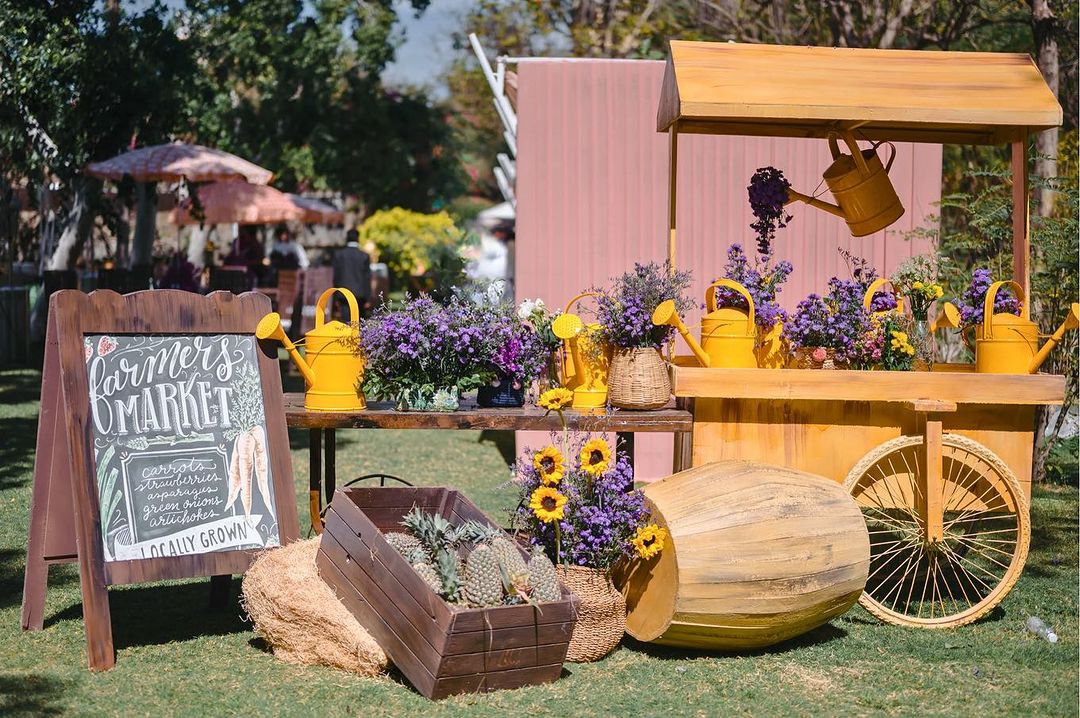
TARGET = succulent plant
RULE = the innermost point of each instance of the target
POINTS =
(543, 579)
(483, 577)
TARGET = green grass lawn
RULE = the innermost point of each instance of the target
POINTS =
(175, 657)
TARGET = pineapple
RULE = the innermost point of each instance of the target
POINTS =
(402, 543)
(509, 556)
(542, 578)
(430, 576)
(434, 532)
(483, 578)
(475, 532)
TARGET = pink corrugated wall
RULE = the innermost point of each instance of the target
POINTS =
(592, 195)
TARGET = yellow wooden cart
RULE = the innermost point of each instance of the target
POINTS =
(939, 462)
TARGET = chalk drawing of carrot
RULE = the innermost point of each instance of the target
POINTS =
(262, 472)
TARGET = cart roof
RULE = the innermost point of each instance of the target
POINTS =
(912, 95)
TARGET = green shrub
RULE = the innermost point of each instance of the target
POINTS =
(410, 243)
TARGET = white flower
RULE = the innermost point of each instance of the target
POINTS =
(526, 308)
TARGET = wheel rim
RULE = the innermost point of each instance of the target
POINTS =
(912, 581)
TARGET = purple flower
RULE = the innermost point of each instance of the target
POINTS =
(970, 303)
(625, 311)
(768, 193)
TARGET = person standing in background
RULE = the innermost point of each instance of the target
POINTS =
(352, 271)
(287, 254)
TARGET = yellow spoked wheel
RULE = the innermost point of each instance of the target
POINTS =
(945, 546)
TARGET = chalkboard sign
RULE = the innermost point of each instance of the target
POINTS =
(179, 445)
(162, 451)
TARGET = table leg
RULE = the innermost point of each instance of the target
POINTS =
(330, 464)
(315, 478)
(624, 443)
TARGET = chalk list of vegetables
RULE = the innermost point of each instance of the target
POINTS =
(180, 445)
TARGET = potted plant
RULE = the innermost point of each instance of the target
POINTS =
(637, 377)
(916, 279)
(829, 332)
(576, 506)
(513, 355)
(423, 355)
(537, 315)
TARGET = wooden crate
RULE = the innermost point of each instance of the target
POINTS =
(441, 650)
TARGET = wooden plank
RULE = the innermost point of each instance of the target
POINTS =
(400, 653)
(933, 489)
(410, 626)
(427, 498)
(1021, 217)
(931, 405)
(515, 678)
(881, 386)
(970, 97)
(381, 415)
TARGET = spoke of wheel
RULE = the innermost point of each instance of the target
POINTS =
(912, 475)
(914, 551)
(926, 582)
(992, 486)
(914, 570)
(990, 559)
(998, 511)
(948, 589)
(962, 560)
(965, 472)
(900, 583)
(967, 577)
(881, 556)
(976, 543)
(916, 487)
(954, 484)
(890, 521)
(884, 564)
(959, 583)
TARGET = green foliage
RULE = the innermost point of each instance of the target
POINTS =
(1062, 466)
(411, 243)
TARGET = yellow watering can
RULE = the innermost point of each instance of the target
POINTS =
(865, 197)
(585, 360)
(1009, 344)
(873, 289)
(728, 334)
(333, 368)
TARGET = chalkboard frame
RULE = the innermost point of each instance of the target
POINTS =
(65, 423)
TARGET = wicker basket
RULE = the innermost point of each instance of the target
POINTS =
(816, 358)
(638, 379)
(601, 617)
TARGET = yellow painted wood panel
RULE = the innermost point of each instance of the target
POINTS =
(970, 97)
(830, 437)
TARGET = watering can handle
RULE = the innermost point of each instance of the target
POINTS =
(988, 305)
(710, 295)
(856, 153)
(875, 285)
(578, 298)
(320, 306)
(888, 165)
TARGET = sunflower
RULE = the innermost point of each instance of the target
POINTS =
(548, 462)
(595, 457)
(547, 504)
(555, 399)
(649, 540)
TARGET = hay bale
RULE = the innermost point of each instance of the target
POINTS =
(301, 618)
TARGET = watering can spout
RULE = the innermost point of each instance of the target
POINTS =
(270, 328)
(1072, 321)
(665, 315)
(793, 196)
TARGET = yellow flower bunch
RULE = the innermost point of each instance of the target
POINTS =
(548, 462)
(595, 457)
(649, 540)
(929, 291)
(547, 504)
(900, 343)
(555, 399)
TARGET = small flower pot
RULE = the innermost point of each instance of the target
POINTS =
(502, 393)
(445, 399)
(601, 615)
(816, 358)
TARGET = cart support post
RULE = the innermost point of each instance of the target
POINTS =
(1021, 225)
(931, 502)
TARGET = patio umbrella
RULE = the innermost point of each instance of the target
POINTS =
(236, 201)
(176, 161)
(317, 211)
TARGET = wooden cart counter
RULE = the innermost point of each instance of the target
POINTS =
(826, 422)
(948, 382)
(322, 426)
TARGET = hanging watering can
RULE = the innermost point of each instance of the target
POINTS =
(332, 366)
(865, 197)
(1009, 344)
(873, 289)
(585, 360)
(728, 334)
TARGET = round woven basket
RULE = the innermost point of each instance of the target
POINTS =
(804, 359)
(638, 379)
(601, 617)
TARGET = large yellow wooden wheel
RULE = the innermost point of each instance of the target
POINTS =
(946, 545)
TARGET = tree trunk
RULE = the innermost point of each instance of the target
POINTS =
(142, 245)
(1043, 25)
(79, 223)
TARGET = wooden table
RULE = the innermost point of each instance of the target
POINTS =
(322, 427)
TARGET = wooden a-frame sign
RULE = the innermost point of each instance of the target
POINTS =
(65, 514)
